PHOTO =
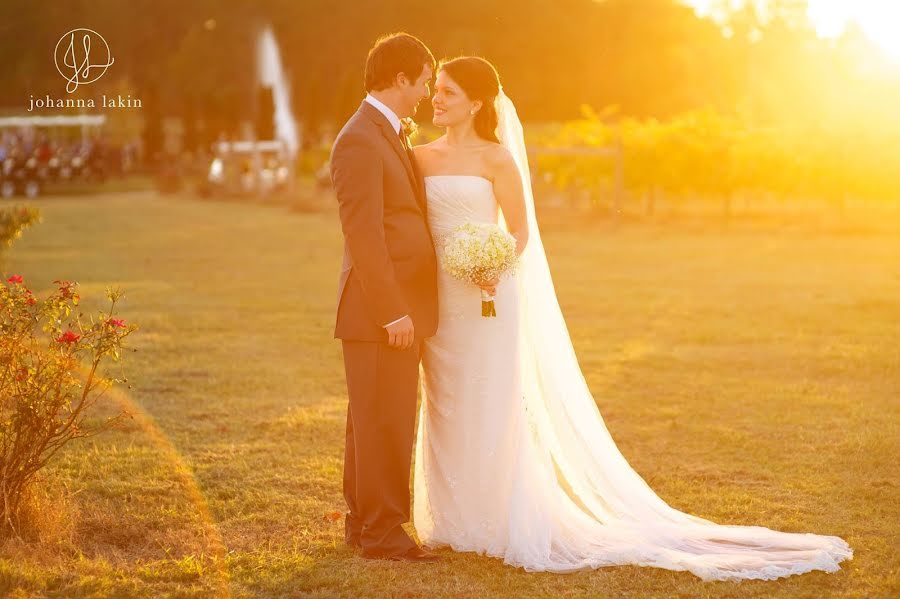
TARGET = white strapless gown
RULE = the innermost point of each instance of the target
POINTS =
(481, 484)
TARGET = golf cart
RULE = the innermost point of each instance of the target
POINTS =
(29, 160)
(245, 168)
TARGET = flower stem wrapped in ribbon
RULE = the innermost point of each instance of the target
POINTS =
(478, 253)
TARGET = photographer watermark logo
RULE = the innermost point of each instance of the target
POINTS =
(82, 56)
(73, 55)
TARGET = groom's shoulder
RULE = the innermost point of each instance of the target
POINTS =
(359, 125)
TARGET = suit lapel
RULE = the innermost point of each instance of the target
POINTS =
(394, 140)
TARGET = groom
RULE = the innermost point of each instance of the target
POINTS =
(387, 295)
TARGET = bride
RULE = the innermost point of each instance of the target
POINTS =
(513, 459)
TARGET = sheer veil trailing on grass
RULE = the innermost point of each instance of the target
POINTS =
(586, 507)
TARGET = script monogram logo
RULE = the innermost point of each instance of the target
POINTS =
(73, 57)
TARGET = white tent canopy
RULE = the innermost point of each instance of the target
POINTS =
(251, 146)
(58, 120)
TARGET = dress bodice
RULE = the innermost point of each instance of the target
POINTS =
(455, 199)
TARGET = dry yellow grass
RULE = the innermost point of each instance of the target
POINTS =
(752, 377)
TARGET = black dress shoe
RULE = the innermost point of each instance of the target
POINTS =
(416, 554)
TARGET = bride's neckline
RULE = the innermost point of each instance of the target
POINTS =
(470, 176)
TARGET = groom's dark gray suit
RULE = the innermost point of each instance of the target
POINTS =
(389, 270)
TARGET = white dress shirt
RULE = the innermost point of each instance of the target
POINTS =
(395, 121)
(382, 107)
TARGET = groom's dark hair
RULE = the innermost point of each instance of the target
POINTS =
(393, 54)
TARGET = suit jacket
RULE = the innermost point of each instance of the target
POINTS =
(389, 267)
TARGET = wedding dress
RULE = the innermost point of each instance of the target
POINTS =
(513, 459)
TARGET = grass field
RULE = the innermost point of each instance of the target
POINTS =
(751, 377)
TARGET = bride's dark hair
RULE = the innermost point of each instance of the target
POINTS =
(478, 78)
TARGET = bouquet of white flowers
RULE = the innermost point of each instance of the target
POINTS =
(478, 253)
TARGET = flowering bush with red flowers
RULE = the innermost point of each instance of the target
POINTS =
(13, 221)
(50, 375)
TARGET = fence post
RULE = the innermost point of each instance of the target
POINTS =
(619, 179)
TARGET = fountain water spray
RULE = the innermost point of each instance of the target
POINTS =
(271, 74)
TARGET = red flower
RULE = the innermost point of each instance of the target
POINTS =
(116, 322)
(31, 301)
(66, 288)
(14, 279)
(68, 337)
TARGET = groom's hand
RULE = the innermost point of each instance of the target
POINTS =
(401, 334)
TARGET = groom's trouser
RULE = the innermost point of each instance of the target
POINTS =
(382, 383)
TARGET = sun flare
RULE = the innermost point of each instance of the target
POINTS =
(878, 19)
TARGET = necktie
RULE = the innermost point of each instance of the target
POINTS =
(405, 143)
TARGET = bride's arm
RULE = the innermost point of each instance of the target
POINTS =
(510, 196)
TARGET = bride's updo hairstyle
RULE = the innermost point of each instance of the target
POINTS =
(478, 78)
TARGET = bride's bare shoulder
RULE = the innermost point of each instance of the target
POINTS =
(428, 151)
(498, 158)
(497, 152)
(430, 146)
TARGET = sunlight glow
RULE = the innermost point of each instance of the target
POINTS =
(878, 19)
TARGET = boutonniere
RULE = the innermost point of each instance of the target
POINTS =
(409, 127)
